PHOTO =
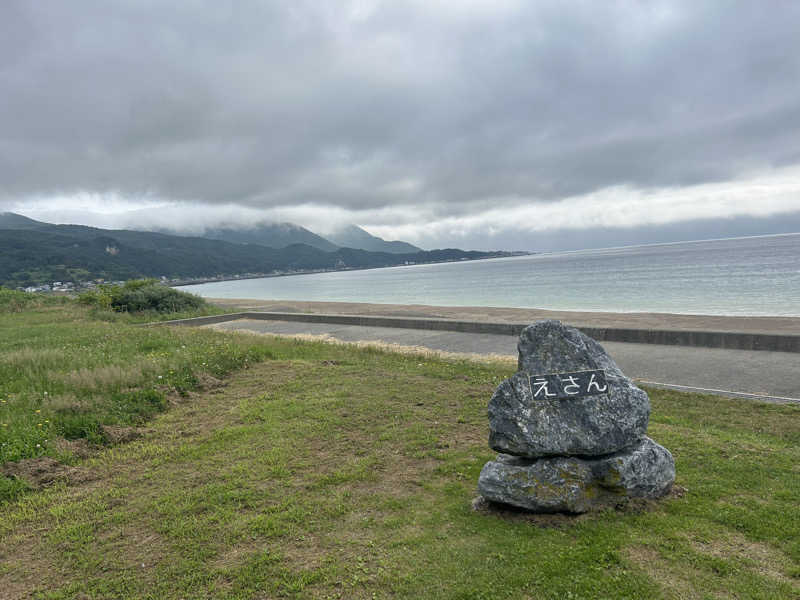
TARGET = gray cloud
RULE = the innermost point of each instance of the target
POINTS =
(609, 237)
(457, 107)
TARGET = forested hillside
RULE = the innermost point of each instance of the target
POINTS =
(32, 253)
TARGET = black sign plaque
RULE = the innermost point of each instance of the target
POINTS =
(568, 385)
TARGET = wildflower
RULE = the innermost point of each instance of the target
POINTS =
(38, 445)
(38, 410)
(38, 424)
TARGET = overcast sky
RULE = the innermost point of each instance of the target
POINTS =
(502, 124)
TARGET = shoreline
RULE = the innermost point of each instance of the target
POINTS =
(635, 320)
(188, 282)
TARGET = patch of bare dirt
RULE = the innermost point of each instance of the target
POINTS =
(206, 382)
(673, 581)
(23, 581)
(510, 513)
(116, 434)
(44, 471)
(640, 505)
(676, 579)
(767, 561)
(79, 448)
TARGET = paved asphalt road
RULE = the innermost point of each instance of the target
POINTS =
(759, 375)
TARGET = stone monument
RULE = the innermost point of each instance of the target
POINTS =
(570, 427)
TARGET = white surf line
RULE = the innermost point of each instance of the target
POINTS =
(716, 391)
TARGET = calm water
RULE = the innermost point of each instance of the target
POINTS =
(742, 276)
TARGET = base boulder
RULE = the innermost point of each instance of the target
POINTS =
(575, 484)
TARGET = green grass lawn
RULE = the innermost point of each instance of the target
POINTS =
(327, 471)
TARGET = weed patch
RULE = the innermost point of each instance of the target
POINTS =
(65, 375)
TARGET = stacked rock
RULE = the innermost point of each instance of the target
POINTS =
(570, 427)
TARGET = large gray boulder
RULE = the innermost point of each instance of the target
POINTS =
(524, 424)
(577, 485)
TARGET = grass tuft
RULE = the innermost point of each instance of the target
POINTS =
(65, 373)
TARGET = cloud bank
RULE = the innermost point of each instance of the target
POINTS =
(431, 121)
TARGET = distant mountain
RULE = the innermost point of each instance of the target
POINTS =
(41, 254)
(10, 220)
(32, 253)
(353, 236)
(274, 235)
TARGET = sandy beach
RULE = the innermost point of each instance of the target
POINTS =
(767, 325)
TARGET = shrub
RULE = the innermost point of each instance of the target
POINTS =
(141, 295)
(100, 297)
(156, 298)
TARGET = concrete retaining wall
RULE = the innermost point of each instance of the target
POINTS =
(706, 339)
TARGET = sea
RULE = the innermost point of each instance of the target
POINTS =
(749, 276)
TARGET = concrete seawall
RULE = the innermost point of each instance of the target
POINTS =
(704, 339)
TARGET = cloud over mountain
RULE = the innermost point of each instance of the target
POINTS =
(390, 114)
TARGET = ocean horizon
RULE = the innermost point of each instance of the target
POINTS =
(743, 276)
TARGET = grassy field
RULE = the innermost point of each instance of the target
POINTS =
(267, 468)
